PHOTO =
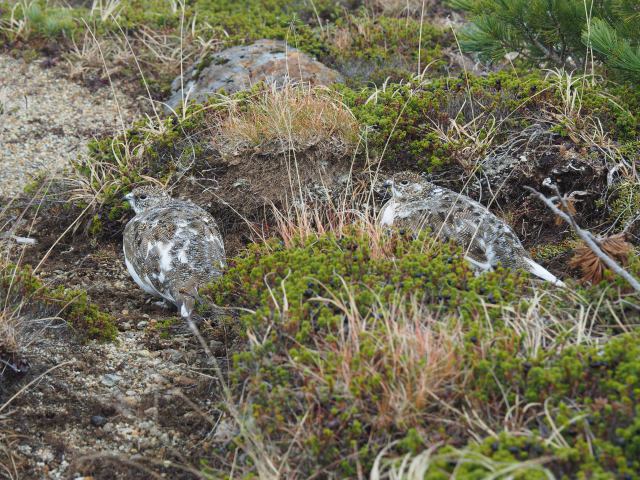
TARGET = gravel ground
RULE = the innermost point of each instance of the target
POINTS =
(115, 410)
(125, 402)
(106, 410)
(46, 120)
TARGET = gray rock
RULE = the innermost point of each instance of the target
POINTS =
(98, 421)
(151, 412)
(238, 68)
(24, 449)
(110, 379)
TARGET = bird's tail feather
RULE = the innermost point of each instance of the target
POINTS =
(541, 272)
(186, 304)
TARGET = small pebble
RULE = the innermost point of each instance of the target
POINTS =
(184, 381)
(98, 421)
(151, 412)
(110, 379)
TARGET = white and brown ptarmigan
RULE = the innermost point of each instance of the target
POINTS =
(171, 247)
(487, 240)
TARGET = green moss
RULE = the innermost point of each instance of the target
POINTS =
(378, 49)
(618, 105)
(593, 391)
(408, 125)
(553, 250)
(300, 348)
(95, 227)
(241, 22)
(158, 156)
(20, 285)
(440, 274)
(626, 203)
(34, 185)
(163, 327)
(402, 121)
(590, 394)
(303, 302)
(232, 22)
(40, 19)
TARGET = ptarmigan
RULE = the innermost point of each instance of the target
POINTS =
(487, 240)
(171, 247)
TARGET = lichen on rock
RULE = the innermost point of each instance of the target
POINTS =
(241, 67)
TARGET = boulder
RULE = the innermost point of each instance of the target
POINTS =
(240, 67)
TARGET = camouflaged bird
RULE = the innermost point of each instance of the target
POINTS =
(171, 247)
(487, 240)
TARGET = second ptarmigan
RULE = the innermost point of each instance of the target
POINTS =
(486, 240)
(171, 247)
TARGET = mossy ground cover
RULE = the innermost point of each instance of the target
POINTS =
(357, 344)
(345, 35)
(403, 124)
(24, 294)
(374, 50)
(144, 41)
(237, 21)
(408, 124)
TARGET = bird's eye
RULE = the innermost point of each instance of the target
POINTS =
(404, 182)
(142, 197)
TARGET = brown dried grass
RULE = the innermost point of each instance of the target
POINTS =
(292, 118)
(592, 267)
(417, 359)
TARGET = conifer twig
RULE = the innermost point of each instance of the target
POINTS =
(589, 239)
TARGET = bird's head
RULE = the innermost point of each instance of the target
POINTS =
(406, 185)
(145, 197)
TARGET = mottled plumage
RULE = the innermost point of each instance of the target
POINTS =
(171, 247)
(487, 240)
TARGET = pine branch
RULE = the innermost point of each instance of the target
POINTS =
(548, 52)
(618, 52)
(554, 31)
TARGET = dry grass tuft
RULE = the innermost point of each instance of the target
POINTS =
(354, 208)
(417, 359)
(10, 326)
(16, 331)
(415, 467)
(8, 439)
(8, 333)
(400, 7)
(592, 267)
(156, 54)
(294, 118)
(12, 341)
(303, 221)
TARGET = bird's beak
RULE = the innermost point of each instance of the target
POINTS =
(127, 197)
(387, 184)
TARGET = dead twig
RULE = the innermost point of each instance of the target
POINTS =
(589, 239)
